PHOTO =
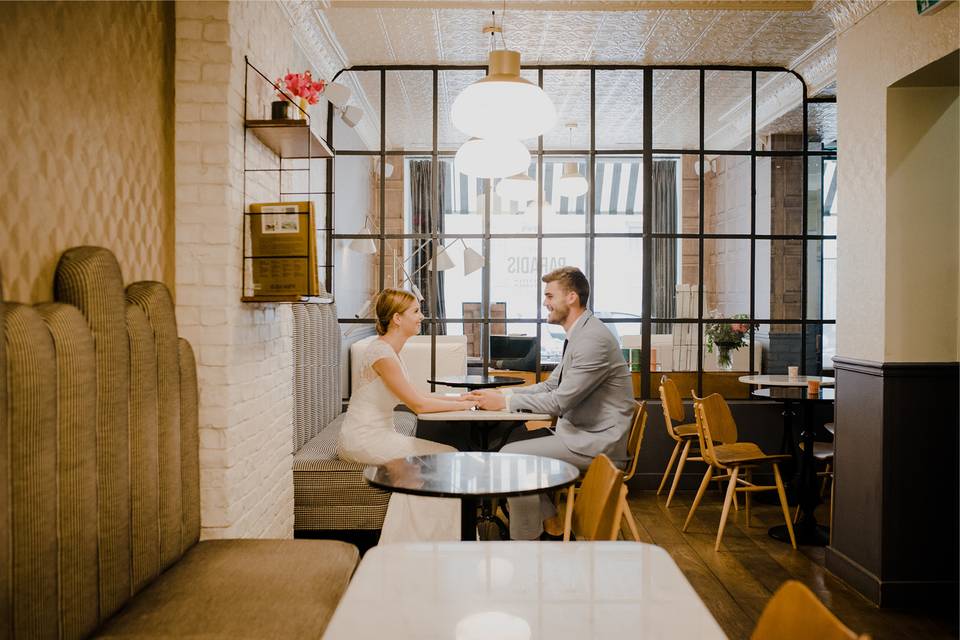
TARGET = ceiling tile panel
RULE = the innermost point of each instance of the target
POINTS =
(621, 37)
(412, 33)
(360, 35)
(674, 34)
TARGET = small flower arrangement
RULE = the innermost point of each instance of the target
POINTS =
(301, 85)
(727, 336)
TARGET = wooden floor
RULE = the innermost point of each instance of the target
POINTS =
(737, 581)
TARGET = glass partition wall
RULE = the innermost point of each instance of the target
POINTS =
(710, 214)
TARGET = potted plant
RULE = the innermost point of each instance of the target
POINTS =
(727, 337)
(298, 85)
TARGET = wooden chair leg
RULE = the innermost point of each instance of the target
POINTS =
(826, 476)
(700, 492)
(746, 496)
(783, 505)
(731, 490)
(666, 472)
(625, 514)
(676, 478)
(568, 517)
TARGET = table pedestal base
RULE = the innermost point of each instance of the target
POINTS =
(812, 536)
(468, 519)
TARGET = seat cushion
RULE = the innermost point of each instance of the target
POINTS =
(242, 589)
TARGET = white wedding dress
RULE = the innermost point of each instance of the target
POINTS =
(368, 437)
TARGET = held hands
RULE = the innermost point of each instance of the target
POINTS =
(489, 399)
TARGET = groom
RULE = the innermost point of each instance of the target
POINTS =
(590, 393)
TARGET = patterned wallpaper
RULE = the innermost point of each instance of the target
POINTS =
(86, 128)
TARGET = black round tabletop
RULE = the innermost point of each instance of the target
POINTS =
(476, 382)
(795, 394)
(472, 474)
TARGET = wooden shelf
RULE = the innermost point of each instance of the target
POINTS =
(288, 299)
(289, 138)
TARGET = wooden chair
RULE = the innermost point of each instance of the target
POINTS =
(715, 424)
(685, 434)
(596, 509)
(795, 613)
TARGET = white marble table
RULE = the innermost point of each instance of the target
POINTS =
(785, 381)
(520, 590)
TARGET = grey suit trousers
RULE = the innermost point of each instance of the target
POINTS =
(527, 513)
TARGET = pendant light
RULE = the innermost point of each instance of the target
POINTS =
(518, 188)
(572, 185)
(497, 158)
(502, 104)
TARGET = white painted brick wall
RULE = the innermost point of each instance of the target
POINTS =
(244, 350)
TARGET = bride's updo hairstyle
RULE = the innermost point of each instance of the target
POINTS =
(389, 302)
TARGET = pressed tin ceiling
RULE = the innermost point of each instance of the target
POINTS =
(791, 34)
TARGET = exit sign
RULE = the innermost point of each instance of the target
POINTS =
(925, 7)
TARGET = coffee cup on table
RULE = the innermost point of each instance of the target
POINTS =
(813, 387)
(793, 372)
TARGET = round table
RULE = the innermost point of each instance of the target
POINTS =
(471, 382)
(806, 529)
(768, 380)
(471, 476)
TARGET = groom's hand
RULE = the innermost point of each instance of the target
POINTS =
(489, 399)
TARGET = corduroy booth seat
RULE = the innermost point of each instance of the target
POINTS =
(330, 495)
(100, 510)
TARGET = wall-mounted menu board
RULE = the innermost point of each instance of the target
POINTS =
(282, 249)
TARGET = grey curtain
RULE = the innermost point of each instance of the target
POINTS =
(426, 219)
(664, 258)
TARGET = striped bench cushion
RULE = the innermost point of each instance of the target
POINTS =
(330, 493)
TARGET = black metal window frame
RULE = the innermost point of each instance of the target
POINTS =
(646, 153)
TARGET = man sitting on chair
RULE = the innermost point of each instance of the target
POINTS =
(590, 393)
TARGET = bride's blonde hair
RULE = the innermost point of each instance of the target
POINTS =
(389, 302)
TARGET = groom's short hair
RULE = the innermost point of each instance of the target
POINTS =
(571, 279)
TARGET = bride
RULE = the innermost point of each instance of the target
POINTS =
(368, 436)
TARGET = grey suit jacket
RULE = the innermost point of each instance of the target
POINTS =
(594, 401)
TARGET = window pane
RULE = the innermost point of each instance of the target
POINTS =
(461, 200)
(514, 216)
(676, 109)
(562, 214)
(829, 345)
(409, 114)
(365, 94)
(822, 279)
(569, 89)
(449, 86)
(356, 198)
(513, 276)
(689, 194)
(726, 274)
(779, 112)
(619, 194)
(726, 118)
(781, 348)
(675, 272)
(629, 336)
(779, 279)
(822, 196)
(780, 195)
(462, 292)
(619, 112)
(617, 282)
(726, 194)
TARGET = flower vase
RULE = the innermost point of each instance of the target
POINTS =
(724, 355)
(302, 113)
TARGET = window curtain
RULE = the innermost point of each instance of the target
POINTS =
(664, 258)
(426, 219)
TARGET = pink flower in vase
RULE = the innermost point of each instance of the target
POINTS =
(740, 328)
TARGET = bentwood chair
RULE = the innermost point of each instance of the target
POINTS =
(595, 510)
(685, 434)
(795, 613)
(733, 460)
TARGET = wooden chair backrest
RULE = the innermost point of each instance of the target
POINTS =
(672, 404)
(794, 612)
(714, 424)
(596, 510)
(637, 428)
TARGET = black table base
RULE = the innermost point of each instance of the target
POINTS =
(815, 535)
(468, 519)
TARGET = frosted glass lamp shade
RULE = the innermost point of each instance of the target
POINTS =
(443, 261)
(364, 245)
(572, 184)
(518, 188)
(472, 261)
(502, 104)
(492, 158)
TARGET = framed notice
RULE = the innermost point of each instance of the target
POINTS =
(283, 249)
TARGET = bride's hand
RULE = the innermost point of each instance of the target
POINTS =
(468, 405)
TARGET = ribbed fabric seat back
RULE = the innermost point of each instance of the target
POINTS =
(316, 370)
(98, 404)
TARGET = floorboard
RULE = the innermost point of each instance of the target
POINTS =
(736, 581)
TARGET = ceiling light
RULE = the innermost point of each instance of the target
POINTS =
(337, 94)
(572, 184)
(492, 158)
(518, 188)
(502, 104)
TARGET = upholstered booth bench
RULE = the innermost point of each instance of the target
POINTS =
(100, 509)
